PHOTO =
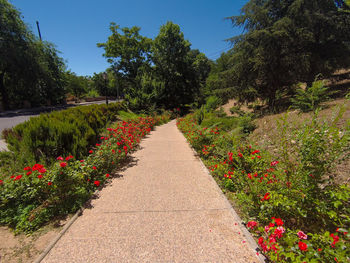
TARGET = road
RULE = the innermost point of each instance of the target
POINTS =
(9, 119)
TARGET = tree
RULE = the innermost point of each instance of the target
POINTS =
(29, 69)
(170, 55)
(285, 42)
(127, 52)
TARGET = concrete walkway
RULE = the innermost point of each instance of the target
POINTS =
(165, 208)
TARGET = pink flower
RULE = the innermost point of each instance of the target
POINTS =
(274, 163)
(302, 235)
(279, 231)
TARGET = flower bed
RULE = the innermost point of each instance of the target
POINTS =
(32, 198)
(295, 213)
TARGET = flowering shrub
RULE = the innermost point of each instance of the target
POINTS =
(32, 198)
(297, 187)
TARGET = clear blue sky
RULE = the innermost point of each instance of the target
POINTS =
(75, 26)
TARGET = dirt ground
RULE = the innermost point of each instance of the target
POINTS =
(26, 248)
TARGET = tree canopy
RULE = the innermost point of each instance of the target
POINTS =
(29, 69)
(285, 42)
(161, 72)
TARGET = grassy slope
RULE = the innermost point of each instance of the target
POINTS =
(266, 133)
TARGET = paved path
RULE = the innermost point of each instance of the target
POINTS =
(163, 209)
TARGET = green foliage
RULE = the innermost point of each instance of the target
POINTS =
(150, 73)
(284, 42)
(30, 70)
(309, 99)
(212, 103)
(295, 184)
(70, 131)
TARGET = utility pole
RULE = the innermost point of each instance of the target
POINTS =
(104, 75)
(37, 25)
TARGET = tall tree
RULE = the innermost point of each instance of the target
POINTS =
(170, 54)
(29, 69)
(285, 42)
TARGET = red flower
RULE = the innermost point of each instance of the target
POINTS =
(63, 164)
(60, 158)
(81, 161)
(28, 168)
(49, 183)
(40, 176)
(266, 197)
(1, 182)
(42, 170)
(29, 173)
(97, 183)
(302, 246)
(107, 175)
(278, 221)
(94, 167)
(17, 177)
(261, 240)
(91, 151)
(69, 157)
(37, 167)
(335, 239)
(240, 155)
(252, 224)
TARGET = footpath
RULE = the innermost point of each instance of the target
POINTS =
(164, 207)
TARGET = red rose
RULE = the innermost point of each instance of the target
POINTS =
(302, 246)
(97, 183)
(252, 224)
(60, 158)
(63, 164)
(17, 177)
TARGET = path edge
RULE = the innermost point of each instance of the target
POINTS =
(249, 238)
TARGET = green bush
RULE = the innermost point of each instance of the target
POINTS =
(71, 131)
(310, 98)
(212, 103)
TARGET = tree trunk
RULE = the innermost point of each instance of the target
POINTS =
(3, 92)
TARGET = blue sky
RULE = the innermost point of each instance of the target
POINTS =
(75, 26)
